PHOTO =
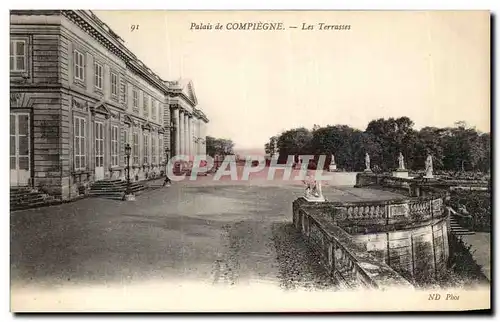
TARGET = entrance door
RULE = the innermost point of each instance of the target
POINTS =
(99, 151)
(19, 149)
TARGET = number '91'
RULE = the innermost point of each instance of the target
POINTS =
(134, 27)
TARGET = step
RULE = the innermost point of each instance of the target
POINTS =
(107, 193)
(101, 186)
(27, 200)
(108, 189)
(25, 197)
(29, 205)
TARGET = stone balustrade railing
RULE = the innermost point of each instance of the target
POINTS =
(419, 186)
(370, 216)
(347, 261)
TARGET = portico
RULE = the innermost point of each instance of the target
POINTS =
(189, 121)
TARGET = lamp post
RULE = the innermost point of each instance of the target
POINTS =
(129, 196)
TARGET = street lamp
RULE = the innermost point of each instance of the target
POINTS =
(129, 196)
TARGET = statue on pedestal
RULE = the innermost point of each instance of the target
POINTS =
(313, 191)
(401, 161)
(332, 166)
(429, 167)
(367, 163)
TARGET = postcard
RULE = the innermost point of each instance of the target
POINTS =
(250, 161)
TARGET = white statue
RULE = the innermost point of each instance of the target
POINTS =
(332, 167)
(367, 162)
(401, 161)
(428, 167)
(313, 191)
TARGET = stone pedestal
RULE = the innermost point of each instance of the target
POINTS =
(130, 197)
(332, 167)
(368, 170)
(400, 173)
(315, 199)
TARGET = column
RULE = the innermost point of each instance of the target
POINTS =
(180, 128)
(186, 134)
(198, 134)
(204, 136)
(177, 132)
(191, 149)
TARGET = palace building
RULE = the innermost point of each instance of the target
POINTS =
(78, 96)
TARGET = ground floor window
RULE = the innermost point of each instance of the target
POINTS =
(146, 148)
(114, 146)
(80, 159)
(154, 148)
(135, 147)
(125, 141)
(160, 148)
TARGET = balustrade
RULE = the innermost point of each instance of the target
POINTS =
(347, 261)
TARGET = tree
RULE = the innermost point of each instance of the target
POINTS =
(466, 148)
(393, 136)
(269, 147)
(216, 146)
(458, 148)
(294, 142)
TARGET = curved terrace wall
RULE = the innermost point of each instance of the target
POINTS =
(409, 235)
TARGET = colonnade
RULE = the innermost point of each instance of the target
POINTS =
(190, 133)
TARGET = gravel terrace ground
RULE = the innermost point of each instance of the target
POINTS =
(220, 233)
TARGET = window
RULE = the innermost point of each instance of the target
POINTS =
(135, 95)
(79, 145)
(125, 140)
(145, 105)
(123, 92)
(153, 110)
(160, 113)
(79, 62)
(146, 148)
(114, 84)
(154, 149)
(17, 55)
(160, 148)
(114, 146)
(135, 147)
(98, 71)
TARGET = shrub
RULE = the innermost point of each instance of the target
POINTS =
(478, 204)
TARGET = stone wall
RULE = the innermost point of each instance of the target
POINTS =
(349, 263)
(417, 254)
(408, 234)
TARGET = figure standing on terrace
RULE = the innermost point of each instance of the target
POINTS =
(367, 163)
(428, 167)
(401, 161)
(332, 167)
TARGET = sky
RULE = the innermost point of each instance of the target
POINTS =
(433, 67)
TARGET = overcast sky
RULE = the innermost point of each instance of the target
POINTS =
(433, 67)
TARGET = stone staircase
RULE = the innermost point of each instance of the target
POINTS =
(25, 198)
(457, 229)
(114, 189)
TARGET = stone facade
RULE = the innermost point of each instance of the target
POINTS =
(78, 96)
